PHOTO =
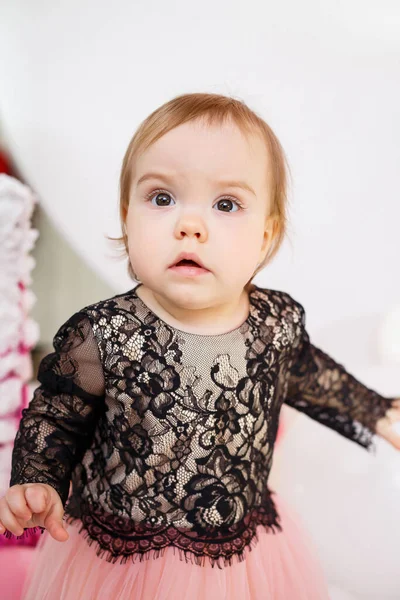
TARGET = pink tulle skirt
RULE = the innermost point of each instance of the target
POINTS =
(281, 566)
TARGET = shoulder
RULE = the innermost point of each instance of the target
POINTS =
(108, 307)
(103, 312)
(283, 315)
(103, 323)
(280, 304)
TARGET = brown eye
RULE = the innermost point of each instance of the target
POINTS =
(160, 196)
(162, 199)
(227, 203)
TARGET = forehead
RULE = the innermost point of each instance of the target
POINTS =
(208, 150)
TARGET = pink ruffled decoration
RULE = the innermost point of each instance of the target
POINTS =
(18, 332)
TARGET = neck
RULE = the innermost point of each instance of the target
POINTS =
(212, 320)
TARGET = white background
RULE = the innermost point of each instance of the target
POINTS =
(77, 78)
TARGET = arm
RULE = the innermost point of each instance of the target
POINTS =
(323, 390)
(57, 426)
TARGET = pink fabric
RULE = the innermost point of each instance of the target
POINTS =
(280, 566)
(14, 565)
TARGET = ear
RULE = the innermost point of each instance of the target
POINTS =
(269, 232)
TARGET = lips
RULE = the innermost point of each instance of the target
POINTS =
(187, 263)
(188, 259)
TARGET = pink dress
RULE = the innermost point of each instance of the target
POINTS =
(278, 566)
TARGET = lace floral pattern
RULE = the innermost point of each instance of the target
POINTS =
(121, 539)
(168, 436)
(322, 389)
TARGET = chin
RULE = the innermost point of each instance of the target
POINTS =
(188, 294)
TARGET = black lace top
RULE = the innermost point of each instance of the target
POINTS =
(168, 436)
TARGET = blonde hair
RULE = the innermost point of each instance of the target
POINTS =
(213, 108)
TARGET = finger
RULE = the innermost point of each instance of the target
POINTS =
(4, 508)
(393, 414)
(54, 523)
(16, 501)
(10, 522)
(37, 497)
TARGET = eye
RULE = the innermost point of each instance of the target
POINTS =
(161, 198)
(159, 194)
(228, 200)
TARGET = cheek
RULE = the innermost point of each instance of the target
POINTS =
(145, 243)
(242, 240)
(237, 256)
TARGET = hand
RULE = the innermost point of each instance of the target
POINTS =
(384, 425)
(32, 505)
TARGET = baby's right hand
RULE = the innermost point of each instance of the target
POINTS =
(32, 505)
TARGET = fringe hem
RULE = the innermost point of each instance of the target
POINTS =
(184, 555)
(365, 437)
(27, 532)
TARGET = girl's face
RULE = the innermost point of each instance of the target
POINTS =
(181, 201)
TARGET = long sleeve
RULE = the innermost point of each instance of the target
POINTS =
(57, 426)
(323, 390)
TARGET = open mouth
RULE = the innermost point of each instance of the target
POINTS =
(187, 263)
(189, 267)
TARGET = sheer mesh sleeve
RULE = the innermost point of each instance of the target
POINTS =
(57, 426)
(323, 389)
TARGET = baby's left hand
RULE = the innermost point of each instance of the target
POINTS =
(384, 425)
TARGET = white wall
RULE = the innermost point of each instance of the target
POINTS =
(61, 281)
(80, 76)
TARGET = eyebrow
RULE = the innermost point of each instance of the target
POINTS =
(168, 179)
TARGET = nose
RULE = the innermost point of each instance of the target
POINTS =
(191, 225)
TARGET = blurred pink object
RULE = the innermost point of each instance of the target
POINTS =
(15, 564)
(18, 335)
